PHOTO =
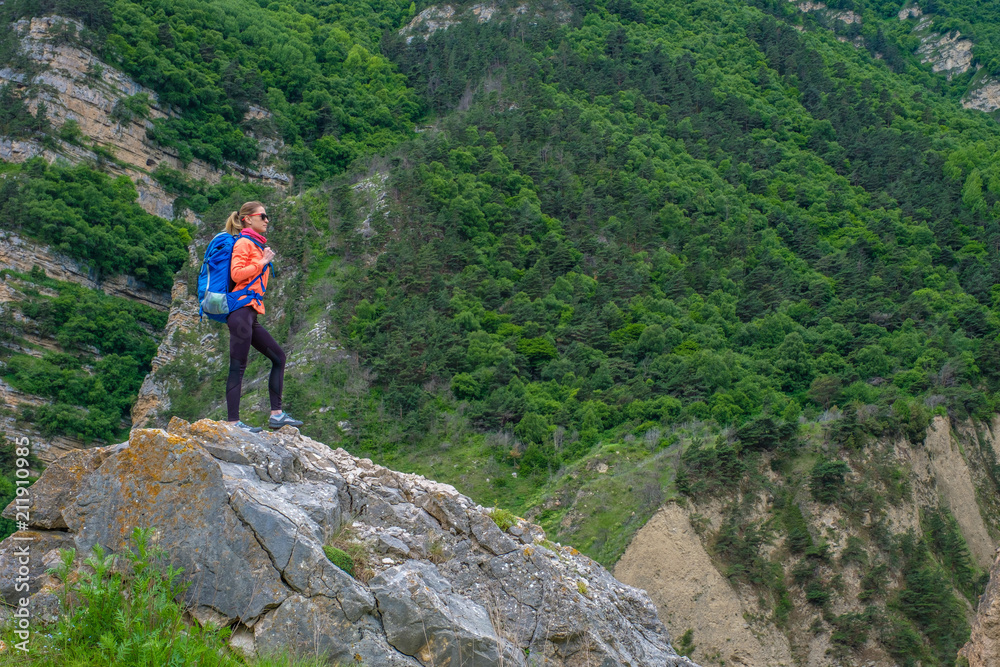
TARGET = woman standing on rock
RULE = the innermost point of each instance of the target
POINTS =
(251, 258)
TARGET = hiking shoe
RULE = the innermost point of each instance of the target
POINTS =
(248, 427)
(283, 419)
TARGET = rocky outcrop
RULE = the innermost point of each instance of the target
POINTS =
(442, 17)
(983, 95)
(23, 254)
(948, 473)
(949, 53)
(247, 517)
(952, 55)
(71, 90)
(75, 85)
(429, 21)
(154, 399)
(983, 647)
(847, 16)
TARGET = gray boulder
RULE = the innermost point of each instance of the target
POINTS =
(423, 617)
(435, 580)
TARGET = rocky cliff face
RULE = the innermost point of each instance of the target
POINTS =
(983, 649)
(153, 399)
(72, 91)
(442, 17)
(952, 54)
(76, 85)
(947, 53)
(730, 626)
(22, 255)
(247, 517)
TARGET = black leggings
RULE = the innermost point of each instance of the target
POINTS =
(244, 331)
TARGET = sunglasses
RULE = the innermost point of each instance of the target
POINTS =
(263, 215)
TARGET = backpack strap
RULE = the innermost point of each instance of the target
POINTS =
(256, 295)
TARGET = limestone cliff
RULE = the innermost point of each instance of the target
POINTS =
(247, 517)
(442, 17)
(952, 54)
(948, 53)
(76, 85)
(984, 95)
(71, 91)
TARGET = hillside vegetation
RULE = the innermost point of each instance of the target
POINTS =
(636, 248)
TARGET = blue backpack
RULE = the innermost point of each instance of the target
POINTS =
(214, 280)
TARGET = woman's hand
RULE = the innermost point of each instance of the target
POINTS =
(268, 255)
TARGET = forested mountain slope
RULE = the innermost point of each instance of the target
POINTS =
(586, 255)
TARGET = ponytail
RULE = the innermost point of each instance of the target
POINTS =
(234, 223)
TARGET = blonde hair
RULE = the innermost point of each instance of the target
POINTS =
(234, 223)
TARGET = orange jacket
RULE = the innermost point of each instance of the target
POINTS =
(247, 263)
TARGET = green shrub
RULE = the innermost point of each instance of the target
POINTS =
(797, 530)
(709, 470)
(128, 109)
(803, 571)
(349, 553)
(70, 132)
(122, 610)
(685, 645)
(851, 629)
(504, 519)
(88, 215)
(946, 540)
(927, 598)
(874, 582)
(854, 552)
(827, 480)
(816, 593)
(340, 558)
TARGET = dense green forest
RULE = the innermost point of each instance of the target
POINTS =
(659, 224)
(84, 213)
(701, 243)
(106, 345)
(314, 66)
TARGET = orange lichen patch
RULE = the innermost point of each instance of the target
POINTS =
(145, 439)
(178, 425)
(76, 465)
(572, 551)
(145, 432)
(157, 463)
(209, 428)
(528, 551)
